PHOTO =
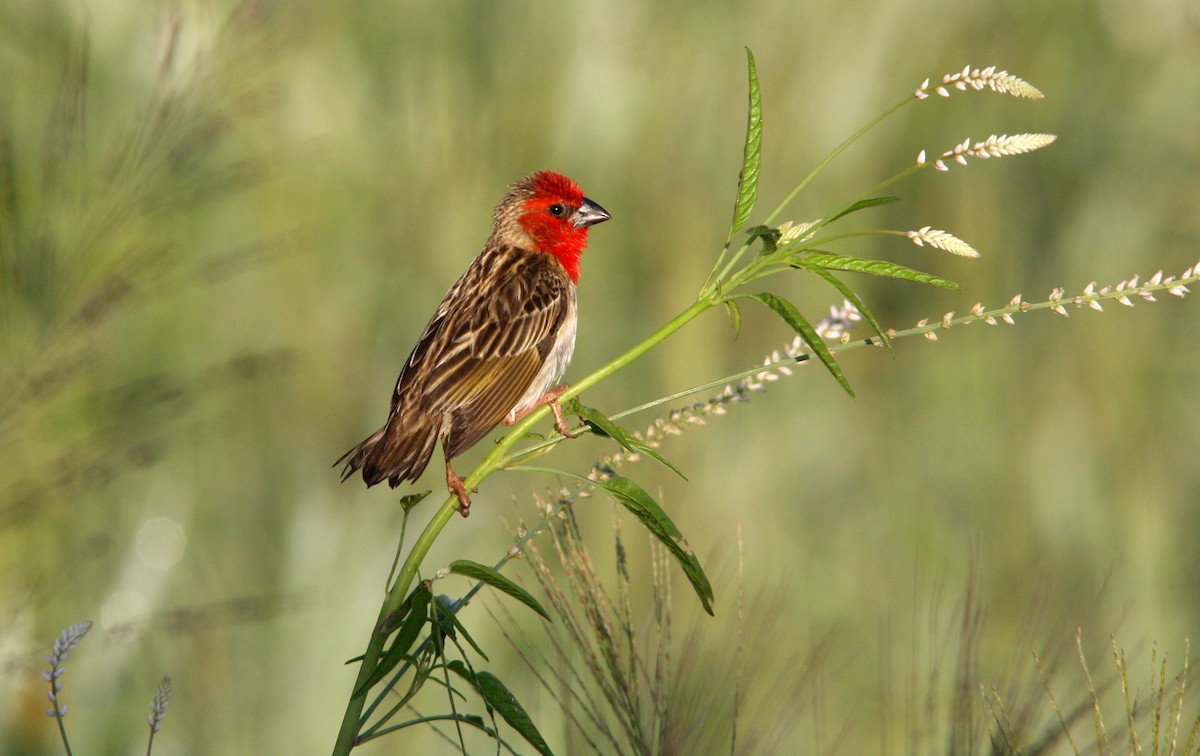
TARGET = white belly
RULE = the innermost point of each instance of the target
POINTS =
(555, 364)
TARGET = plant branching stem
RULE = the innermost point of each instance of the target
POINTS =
(832, 156)
(351, 721)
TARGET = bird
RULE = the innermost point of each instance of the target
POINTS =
(498, 343)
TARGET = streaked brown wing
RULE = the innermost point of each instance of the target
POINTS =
(496, 385)
(488, 338)
(501, 348)
(487, 342)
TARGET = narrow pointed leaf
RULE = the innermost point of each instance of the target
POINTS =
(752, 156)
(849, 294)
(864, 204)
(498, 697)
(883, 268)
(445, 612)
(605, 427)
(790, 315)
(472, 720)
(488, 576)
(404, 640)
(629, 495)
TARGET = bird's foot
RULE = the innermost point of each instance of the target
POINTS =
(455, 484)
(551, 398)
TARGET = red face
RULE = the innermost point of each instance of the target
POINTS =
(557, 217)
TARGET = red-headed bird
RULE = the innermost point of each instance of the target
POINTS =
(499, 341)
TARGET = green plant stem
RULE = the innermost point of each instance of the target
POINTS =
(351, 724)
(61, 727)
(833, 155)
(715, 283)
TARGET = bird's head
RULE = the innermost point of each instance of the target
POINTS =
(553, 215)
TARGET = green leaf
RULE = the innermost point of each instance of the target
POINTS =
(790, 315)
(498, 697)
(752, 156)
(849, 294)
(770, 238)
(864, 204)
(883, 268)
(629, 495)
(735, 316)
(602, 426)
(418, 604)
(445, 612)
(472, 720)
(487, 575)
(408, 501)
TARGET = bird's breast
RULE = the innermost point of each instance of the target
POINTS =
(556, 360)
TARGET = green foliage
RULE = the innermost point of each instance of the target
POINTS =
(827, 261)
(498, 697)
(790, 315)
(863, 205)
(488, 576)
(643, 506)
(412, 619)
(854, 299)
(752, 154)
(602, 426)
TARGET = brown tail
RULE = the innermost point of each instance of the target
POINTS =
(397, 452)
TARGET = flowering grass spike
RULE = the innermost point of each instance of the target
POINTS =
(61, 650)
(63, 646)
(979, 79)
(158, 707)
(941, 240)
(993, 146)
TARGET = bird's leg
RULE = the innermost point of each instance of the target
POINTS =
(551, 398)
(455, 484)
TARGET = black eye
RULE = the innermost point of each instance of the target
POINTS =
(558, 210)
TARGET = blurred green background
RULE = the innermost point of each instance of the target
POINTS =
(222, 227)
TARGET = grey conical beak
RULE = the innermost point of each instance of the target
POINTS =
(589, 214)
